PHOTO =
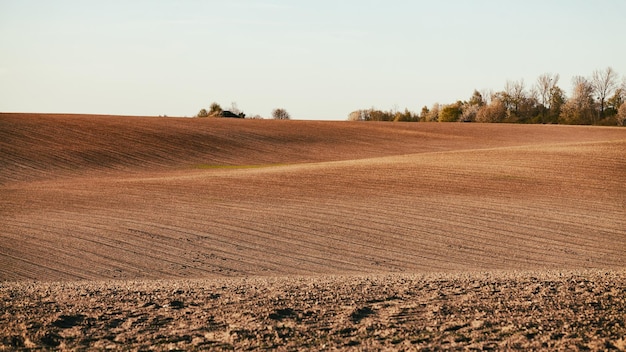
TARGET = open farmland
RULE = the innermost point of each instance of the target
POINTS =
(104, 220)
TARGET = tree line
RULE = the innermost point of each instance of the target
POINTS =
(595, 100)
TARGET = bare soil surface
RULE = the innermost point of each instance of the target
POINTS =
(470, 311)
(290, 208)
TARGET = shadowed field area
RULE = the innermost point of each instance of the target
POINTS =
(139, 198)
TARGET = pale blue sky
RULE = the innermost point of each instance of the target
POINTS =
(317, 59)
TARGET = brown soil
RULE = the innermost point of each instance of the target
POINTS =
(477, 311)
(342, 204)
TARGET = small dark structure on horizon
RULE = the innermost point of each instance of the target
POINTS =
(231, 114)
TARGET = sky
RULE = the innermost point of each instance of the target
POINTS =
(319, 60)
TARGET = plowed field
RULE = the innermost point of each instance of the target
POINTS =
(138, 198)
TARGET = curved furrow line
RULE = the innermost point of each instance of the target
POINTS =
(489, 241)
(160, 233)
(330, 230)
(524, 231)
(80, 263)
(272, 231)
(557, 223)
(169, 252)
(73, 241)
(581, 236)
(518, 215)
(318, 241)
(469, 247)
(350, 242)
(431, 236)
(534, 237)
(402, 238)
(353, 235)
(256, 235)
(51, 255)
(587, 217)
(593, 217)
(197, 255)
(339, 237)
(243, 250)
(127, 254)
(20, 267)
(422, 245)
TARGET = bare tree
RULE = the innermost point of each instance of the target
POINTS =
(359, 115)
(495, 111)
(619, 97)
(487, 95)
(579, 109)
(234, 108)
(557, 99)
(614, 102)
(477, 99)
(604, 83)
(280, 114)
(545, 88)
(470, 111)
(355, 116)
(514, 95)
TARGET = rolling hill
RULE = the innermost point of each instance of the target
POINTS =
(126, 233)
(100, 197)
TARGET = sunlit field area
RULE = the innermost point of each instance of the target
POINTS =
(136, 232)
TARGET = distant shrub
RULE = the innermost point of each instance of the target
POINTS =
(280, 114)
(203, 113)
(450, 113)
(493, 112)
(621, 115)
(215, 109)
(432, 114)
